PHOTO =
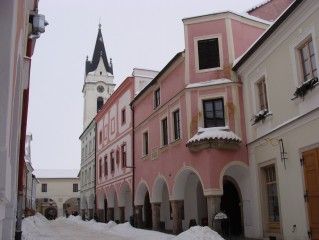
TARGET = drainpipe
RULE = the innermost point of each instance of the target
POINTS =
(95, 205)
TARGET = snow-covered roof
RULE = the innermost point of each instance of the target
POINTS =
(221, 133)
(258, 5)
(244, 15)
(56, 173)
(209, 83)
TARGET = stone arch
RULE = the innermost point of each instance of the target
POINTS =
(125, 200)
(101, 196)
(141, 190)
(112, 197)
(158, 185)
(238, 174)
(180, 182)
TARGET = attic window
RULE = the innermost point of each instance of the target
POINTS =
(100, 72)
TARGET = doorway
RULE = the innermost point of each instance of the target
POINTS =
(311, 173)
(230, 204)
(147, 211)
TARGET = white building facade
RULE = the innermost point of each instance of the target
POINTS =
(281, 97)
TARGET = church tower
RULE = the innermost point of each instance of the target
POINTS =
(98, 81)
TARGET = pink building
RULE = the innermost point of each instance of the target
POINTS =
(114, 149)
(190, 150)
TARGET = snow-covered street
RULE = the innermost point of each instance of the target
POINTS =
(73, 228)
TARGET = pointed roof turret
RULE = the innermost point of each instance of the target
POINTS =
(99, 51)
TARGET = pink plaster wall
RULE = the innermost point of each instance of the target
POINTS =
(209, 163)
(105, 185)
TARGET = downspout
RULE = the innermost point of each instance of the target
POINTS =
(23, 132)
(95, 203)
(133, 167)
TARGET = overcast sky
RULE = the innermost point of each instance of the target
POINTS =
(136, 33)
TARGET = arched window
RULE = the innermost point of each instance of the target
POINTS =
(99, 103)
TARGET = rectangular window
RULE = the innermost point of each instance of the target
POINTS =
(271, 199)
(157, 98)
(112, 162)
(208, 53)
(75, 187)
(123, 116)
(100, 137)
(214, 113)
(145, 143)
(177, 126)
(100, 168)
(124, 155)
(105, 165)
(164, 132)
(308, 62)
(105, 131)
(262, 95)
(44, 187)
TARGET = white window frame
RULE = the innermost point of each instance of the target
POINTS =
(221, 57)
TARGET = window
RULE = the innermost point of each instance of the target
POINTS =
(105, 165)
(271, 199)
(164, 132)
(262, 94)
(100, 137)
(145, 143)
(177, 127)
(308, 62)
(75, 187)
(124, 155)
(99, 104)
(214, 113)
(208, 53)
(112, 162)
(157, 98)
(100, 168)
(105, 131)
(44, 187)
(123, 116)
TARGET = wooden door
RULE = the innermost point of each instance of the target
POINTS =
(311, 172)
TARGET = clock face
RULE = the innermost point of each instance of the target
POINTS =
(100, 88)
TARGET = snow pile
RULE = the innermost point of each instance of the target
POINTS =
(197, 232)
(126, 229)
(38, 227)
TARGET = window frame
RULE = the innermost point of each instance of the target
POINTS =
(164, 131)
(112, 161)
(145, 143)
(75, 187)
(44, 187)
(313, 70)
(206, 118)
(157, 98)
(123, 116)
(261, 87)
(220, 52)
(271, 227)
(176, 124)
(124, 155)
(105, 165)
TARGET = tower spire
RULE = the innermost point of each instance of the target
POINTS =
(99, 51)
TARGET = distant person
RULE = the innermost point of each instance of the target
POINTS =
(67, 214)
